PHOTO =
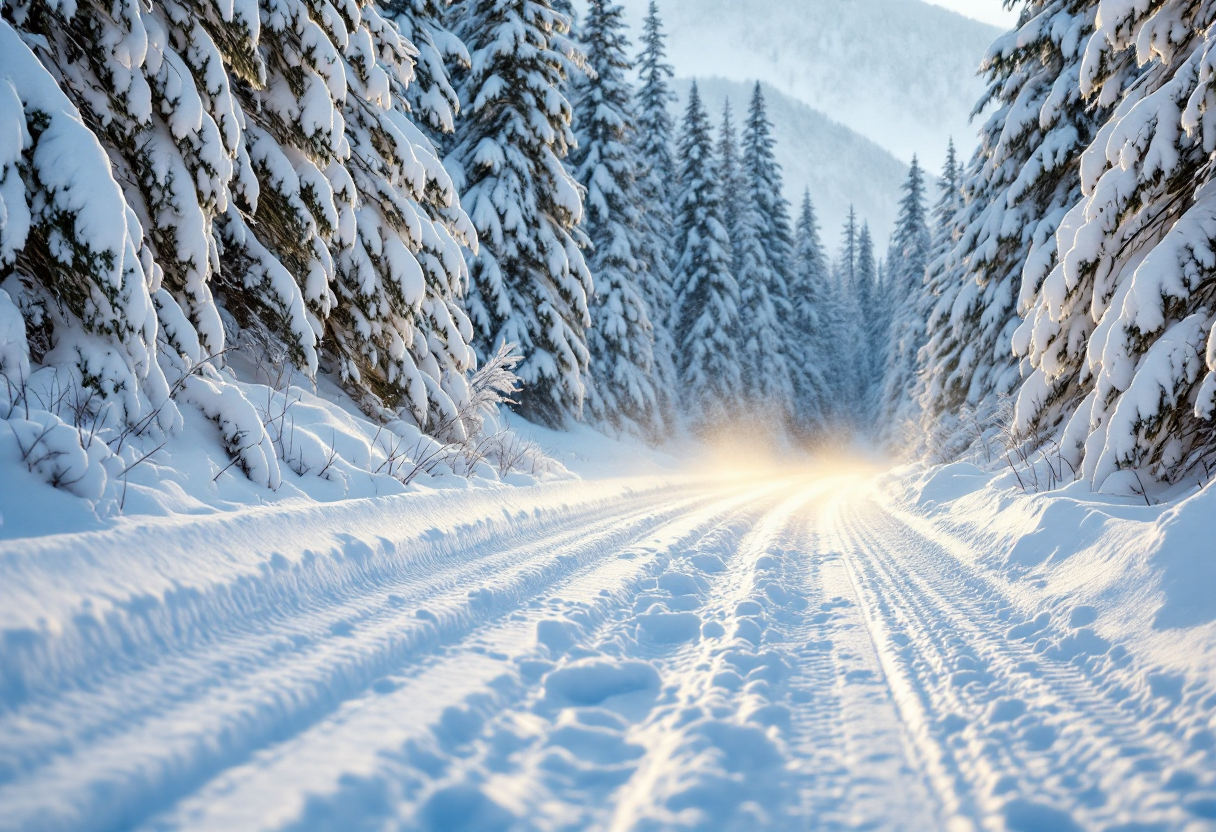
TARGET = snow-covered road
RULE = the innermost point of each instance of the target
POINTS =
(798, 654)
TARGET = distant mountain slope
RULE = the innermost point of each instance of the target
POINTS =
(901, 72)
(838, 165)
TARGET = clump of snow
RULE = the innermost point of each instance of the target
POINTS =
(240, 425)
(14, 348)
(53, 450)
(255, 431)
(592, 681)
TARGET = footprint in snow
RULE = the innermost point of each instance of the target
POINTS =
(600, 743)
(668, 627)
(465, 808)
(709, 564)
(592, 682)
(559, 635)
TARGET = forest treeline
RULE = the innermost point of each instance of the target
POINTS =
(389, 193)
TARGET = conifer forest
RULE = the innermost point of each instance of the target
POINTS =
(510, 415)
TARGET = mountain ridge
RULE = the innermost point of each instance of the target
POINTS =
(861, 173)
(899, 72)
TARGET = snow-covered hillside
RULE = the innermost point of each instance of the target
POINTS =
(900, 72)
(839, 165)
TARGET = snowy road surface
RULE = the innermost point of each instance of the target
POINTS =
(614, 656)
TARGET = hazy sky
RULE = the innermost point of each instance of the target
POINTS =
(989, 11)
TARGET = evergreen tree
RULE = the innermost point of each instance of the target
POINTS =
(432, 96)
(730, 180)
(656, 184)
(79, 270)
(816, 323)
(1119, 331)
(656, 129)
(949, 202)
(707, 315)
(763, 178)
(865, 274)
(566, 41)
(400, 340)
(160, 99)
(1016, 190)
(911, 247)
(621, 340)
(870, 325)
(846, 263)
(856, 376)
(763, 266)
(766, 385)
(940, 433)
(269, 157)
(529, 282)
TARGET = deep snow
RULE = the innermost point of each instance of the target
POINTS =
(822, 647)
(324, 449)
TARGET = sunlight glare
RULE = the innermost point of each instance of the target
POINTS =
(740, 452)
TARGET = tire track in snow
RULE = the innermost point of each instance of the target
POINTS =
(558, 751)
(1130, 700)
(518, 754)
(273, 675)
(1016, 741)
(778, 657)
(80, 606)
(850, 733)
(716, 756)
(378, 743)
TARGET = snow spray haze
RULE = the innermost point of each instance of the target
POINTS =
(746, 449)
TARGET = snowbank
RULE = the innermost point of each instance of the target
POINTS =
(164, 576)
(252, 434)
(1126, 589)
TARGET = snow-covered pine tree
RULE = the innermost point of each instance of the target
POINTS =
(433, 100)
(707, 314)
(865, 274)
(289, 117)
(815, 321)
(763, 179)
(1120, 331)
(767, 389)
(398, 337)
(157, 84)
(856, 376)
(911, 247)
(73, 257)
(656, 185)
(949, 201)
(763, 256)
(153, 86)
(846, 263)
(1017, 189)
(566, 41)
(293, 200)
(621, 339)
(940, 432)
(656, 128)
(871, 305)
(730, 180)
(529, 282)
